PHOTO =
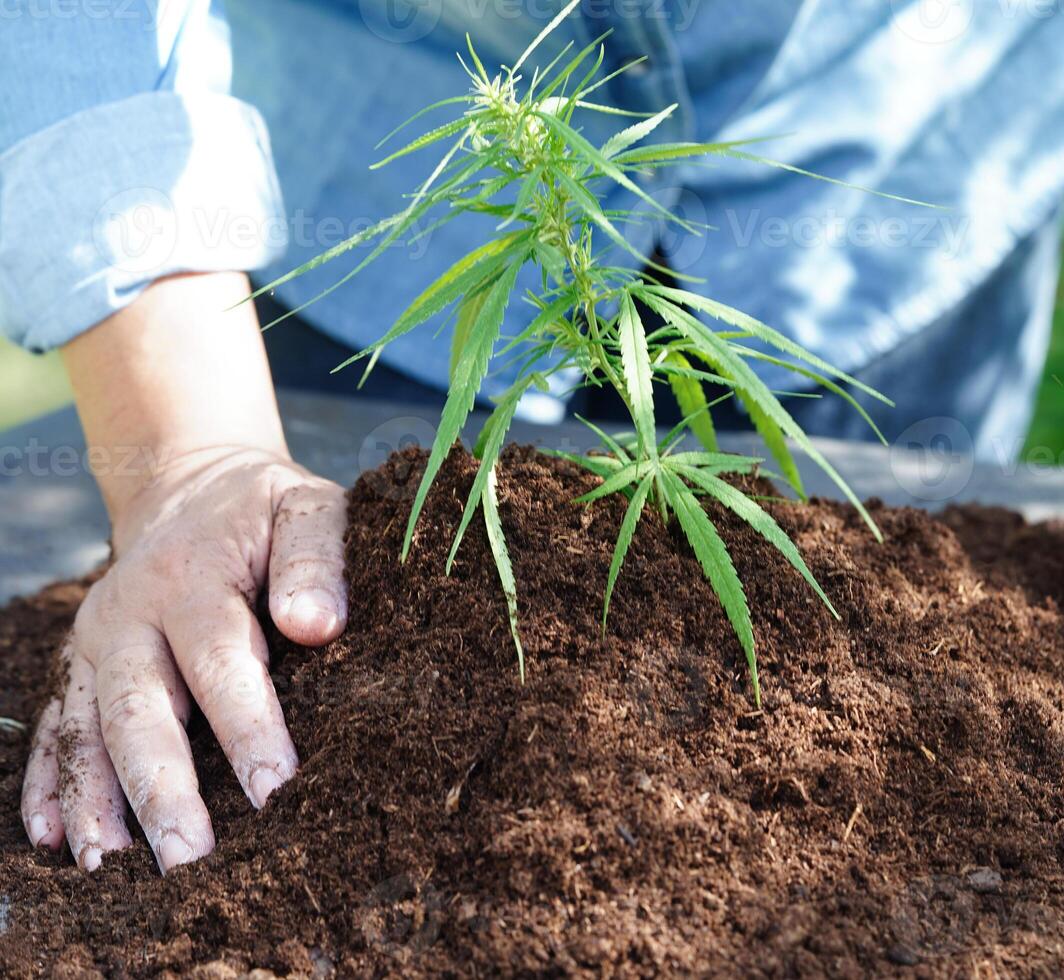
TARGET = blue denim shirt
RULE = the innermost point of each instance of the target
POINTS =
(133, 144)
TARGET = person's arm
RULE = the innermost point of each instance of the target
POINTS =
(210, 511)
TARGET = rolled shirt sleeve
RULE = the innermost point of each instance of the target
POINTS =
(123, 159)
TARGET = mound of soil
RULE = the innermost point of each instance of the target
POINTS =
(896, 805)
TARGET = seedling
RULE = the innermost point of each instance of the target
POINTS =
(516, 153)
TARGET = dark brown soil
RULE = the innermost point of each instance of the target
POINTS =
(896, 806)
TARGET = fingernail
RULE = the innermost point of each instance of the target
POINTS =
(315, 608)
(173, 851)
(91, 857)
(263, 782)
(38, 829)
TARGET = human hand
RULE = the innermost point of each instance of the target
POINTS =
(171, 622)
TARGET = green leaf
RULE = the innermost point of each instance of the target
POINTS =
(820, 379)
(575, 62)
(635, 360)
(546, 316)
(665, 152)
(624, 539)
(489, 443)
(767, 162)
(717, 462)
(582, 148)
(760, 520)
(712, 555)
(426, 139)
(543, 34)
(606, 79)
(329, 254)
(691, 397)
(421, 112)
(421, 203)
(468, 311)
(524, 195)
(706, 341)
(607, 440)
(756, 328)
(633, 134)
(497, 541)
(476, 59)
(588, 203)
(617, 481)
(609, 110)
(468, 377)
(601, 466)
(467, 273)
(771, 434)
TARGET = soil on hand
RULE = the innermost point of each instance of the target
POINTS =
(896, 806)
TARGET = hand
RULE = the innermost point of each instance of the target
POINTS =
(180, 374)
(172, 621)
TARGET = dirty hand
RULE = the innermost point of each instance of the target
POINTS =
(172, 620)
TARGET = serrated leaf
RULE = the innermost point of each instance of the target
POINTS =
(575, 62)
(607, 440)
(468, 272)
(329, 254)
(426, 139)
(601, 466)
(624, 539)
(421, 203)
(469, 375)
(592, 156)
(771, 434)
(717, 462)
(820, 379)
(548, 315)
(691, 398)
(497, 542)
(543, 34)
(625, 476)
(633, 134)
(760, 520)
(635, 361)
(453, 100)
(712, 555)
(524, 195)
(468, 310)
(756, 328)
(779, 165)
(704, 339)
(665, 152)
(490, 445)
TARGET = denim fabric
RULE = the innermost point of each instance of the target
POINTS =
(120, 148)
(961, 104)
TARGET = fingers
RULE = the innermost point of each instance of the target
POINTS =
(221, 652)
(308, 595)
(40, 788)
(90, 797)
(142, 705)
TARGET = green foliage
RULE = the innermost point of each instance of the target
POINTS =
(517, 153)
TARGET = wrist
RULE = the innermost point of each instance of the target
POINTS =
(170, 384)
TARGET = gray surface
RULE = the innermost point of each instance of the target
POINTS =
(53, 524)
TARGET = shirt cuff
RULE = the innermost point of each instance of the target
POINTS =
(98, 206)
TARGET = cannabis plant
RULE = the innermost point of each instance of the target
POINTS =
(514, 152)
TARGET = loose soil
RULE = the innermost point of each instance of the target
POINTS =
(896, 806)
